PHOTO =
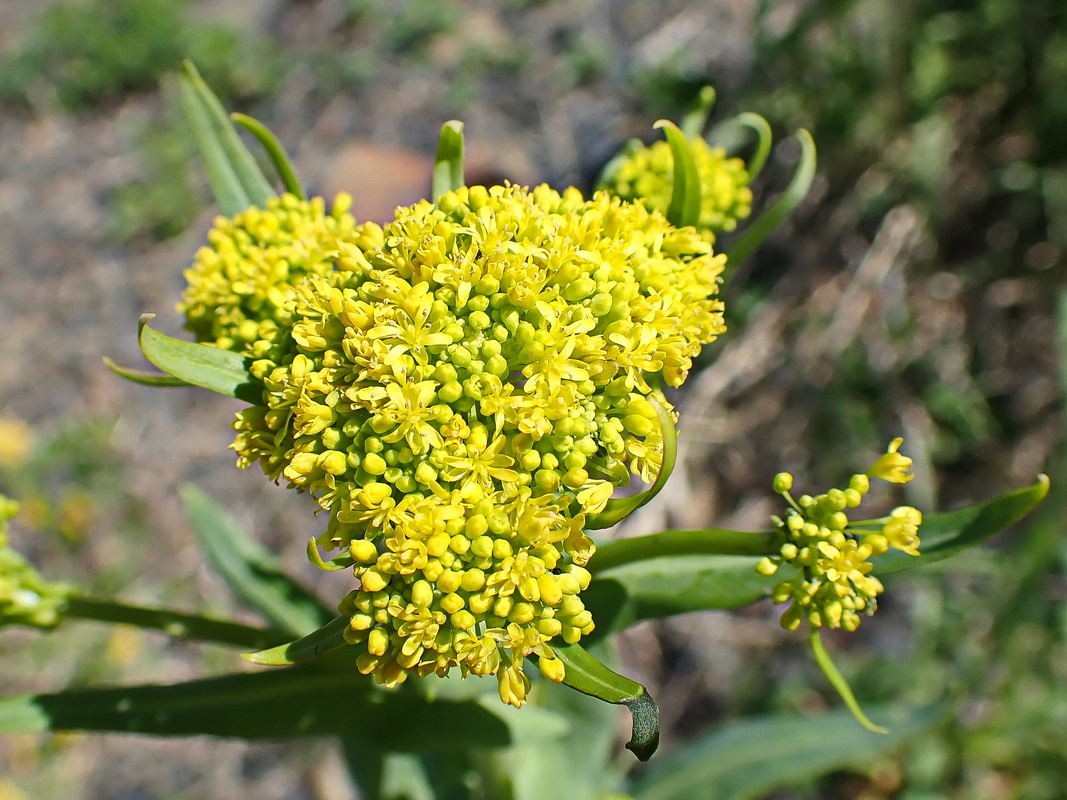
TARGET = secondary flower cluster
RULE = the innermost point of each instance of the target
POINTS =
(240, 288)
(646, 173)
(834, 584)
(25, 597)
(459, 391)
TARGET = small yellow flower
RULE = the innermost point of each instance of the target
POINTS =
(902, 528)
(892, 466)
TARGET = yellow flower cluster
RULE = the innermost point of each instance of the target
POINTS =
(834, 584)
(646, 173)
(468, 384)
(25, 597)
(241, 286)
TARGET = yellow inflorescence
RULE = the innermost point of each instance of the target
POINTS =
(834, 584)
(240, 287)
(471, 382)
(647, 173)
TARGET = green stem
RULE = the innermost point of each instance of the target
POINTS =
(173, 623)
(709, 541)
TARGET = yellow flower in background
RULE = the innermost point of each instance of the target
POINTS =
(459, 389)
(16, 442)
(645, 173)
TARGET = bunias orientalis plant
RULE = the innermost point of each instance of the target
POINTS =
(462, 394)
(462, 391)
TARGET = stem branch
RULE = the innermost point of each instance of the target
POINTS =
(173, 623)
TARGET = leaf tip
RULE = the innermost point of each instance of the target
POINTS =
(644, 738)
(271, 657)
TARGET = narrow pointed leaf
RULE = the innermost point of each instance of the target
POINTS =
(279, 158)
(200, 365)
(687, 192)
(275, 704)
(764, 138)
(944, 535)
(694, 121)
(750, 758)
(333, 565)
(589, 676)
(755, 234)
(837, 680)
(329, 637)
(249, 569)
(664, 587)
(707, 541)
(142, 377)
(236, 180)
(448, 166)
(620, 508)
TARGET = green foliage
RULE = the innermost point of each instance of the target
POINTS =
(92, 51)
(735, 762)
(163, 200)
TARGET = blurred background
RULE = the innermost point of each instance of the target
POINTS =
(917, 292)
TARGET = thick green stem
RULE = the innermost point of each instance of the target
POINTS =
(172, 623)
(709, 541)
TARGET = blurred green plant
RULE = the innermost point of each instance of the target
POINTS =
(164, 199)
(91, 51)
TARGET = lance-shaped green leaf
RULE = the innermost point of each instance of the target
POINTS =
(686, 194)
(213, 368)
(750, 758)
(330, 636)
(755, 234)
(448, 166)
(249, 569)
(278, 157)
(290, 702)
(764, 138)
(697, 117)
(142, 377)
(236, 179)
(589, 676)
(706, 541)
(946, 534)
(618, 509)
(837, 680)
(664, 587)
